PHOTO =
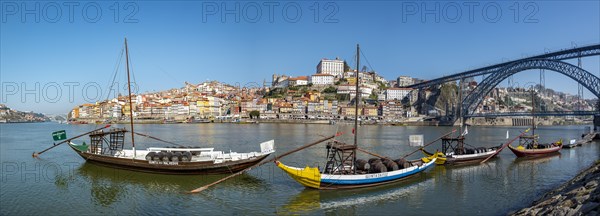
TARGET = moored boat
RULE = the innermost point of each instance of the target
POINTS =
(360, 174)
(107, 148)
(529, 145)
(344, 171)
(454, 152)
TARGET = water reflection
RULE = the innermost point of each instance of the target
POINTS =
(310, 200)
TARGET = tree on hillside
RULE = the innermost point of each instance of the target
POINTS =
(254, 113)
(373, 96)
(330, 89)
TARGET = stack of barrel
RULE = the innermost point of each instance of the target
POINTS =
(377, 165)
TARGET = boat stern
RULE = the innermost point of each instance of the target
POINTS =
(309, 176)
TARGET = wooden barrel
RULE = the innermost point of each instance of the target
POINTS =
(400, 163)
(378, 168)
(362, 165)
(167, 156)
(391, 165)
(374, 160)
(150, 156)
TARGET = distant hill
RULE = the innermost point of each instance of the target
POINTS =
(8, 115)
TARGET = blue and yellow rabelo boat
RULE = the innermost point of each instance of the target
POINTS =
(343, 170)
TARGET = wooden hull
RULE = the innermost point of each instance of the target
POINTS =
(312, 178)
(466, 158)
(181, 168)
(534, 152)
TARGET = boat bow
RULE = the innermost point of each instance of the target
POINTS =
(307, 176)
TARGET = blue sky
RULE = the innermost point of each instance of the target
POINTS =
(173, 42)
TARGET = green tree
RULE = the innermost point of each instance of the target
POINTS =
(373, 96)
(254, 113)
(330, 89)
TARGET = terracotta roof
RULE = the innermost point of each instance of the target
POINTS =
(322, 75)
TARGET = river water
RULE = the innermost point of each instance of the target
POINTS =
(60, 182)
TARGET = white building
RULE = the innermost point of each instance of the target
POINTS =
(364, 77)
(397, 93)
(322, 79)
(282, 84)
(404, 81)
(333, 67)
(298, 81)
(351, 90)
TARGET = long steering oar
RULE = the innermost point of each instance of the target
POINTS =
(197, 190)
(67, 140)
(409, 154)
(504, 146)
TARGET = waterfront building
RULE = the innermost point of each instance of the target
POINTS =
(349, 110)
(370, 111)
(334, 67)
(285, 108)
(391, 110)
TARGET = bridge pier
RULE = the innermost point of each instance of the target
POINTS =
(596, 123)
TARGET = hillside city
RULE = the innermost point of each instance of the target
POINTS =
(325, 96)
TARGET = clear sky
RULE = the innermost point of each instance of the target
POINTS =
(72, 46)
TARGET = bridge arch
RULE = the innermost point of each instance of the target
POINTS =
(588, 80)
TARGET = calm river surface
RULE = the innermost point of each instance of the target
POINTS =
(60, 182)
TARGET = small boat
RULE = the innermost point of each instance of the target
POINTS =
(107, 148)
(344, 171)
(454, 152)
(199, 120)
(572, 144)
(529, 145)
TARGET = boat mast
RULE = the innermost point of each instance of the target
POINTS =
(356, 101)
(532, 115)
(130, 103)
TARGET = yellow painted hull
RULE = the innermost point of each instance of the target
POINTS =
(309, 177)
(441, 158)
(312, 178)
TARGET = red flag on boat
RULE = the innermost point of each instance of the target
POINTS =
(352, 130)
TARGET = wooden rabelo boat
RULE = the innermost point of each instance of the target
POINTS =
(454, 152)
(529, 145)
(107, 148)
(344, 171)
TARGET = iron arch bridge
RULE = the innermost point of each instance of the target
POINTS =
(578, 52)
(586, 79)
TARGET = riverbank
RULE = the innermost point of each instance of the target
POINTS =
(579, 196)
